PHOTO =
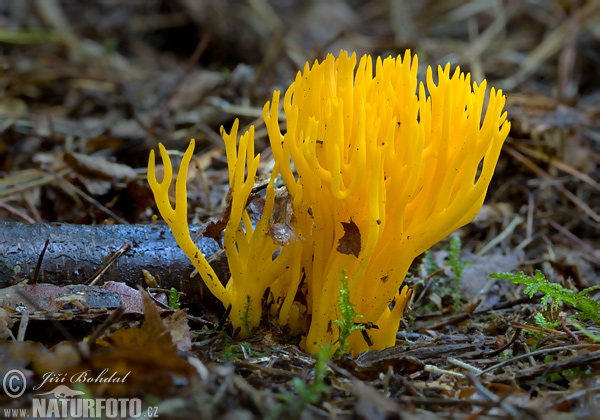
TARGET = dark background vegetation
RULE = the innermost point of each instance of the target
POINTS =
(108, 80)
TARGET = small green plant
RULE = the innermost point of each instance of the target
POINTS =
(588, 307)
(541, 321)
(576, 372)
(246, 315)
(296, 402)
(573, 373)
(346, 324)
(442, 285)
(174, 298)
(457, 266)
(430, 264)
(233, 351)
(237, 350)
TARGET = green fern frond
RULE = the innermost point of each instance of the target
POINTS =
(588, 307)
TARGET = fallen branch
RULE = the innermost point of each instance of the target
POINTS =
(76, 252)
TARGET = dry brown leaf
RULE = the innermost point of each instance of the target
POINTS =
(5, 324)
(351, 241)
(177, 325)
(215, 228)
(282, 219)
(197, 85)
(98, 167)
(145, 354)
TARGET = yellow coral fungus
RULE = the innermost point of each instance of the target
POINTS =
(381, 171)
(249, 249)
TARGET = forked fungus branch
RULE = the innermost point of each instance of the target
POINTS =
(378, 167)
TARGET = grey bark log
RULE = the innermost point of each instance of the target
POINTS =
(76, 252)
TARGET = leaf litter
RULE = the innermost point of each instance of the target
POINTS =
(80, 112)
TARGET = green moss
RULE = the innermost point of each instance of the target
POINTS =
(246, 315)
(346, 324)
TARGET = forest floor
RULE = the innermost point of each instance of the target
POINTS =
(89, 88)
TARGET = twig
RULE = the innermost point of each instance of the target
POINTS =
(507, 345)
(529, 223)
(457, 362)
(503, 235)
(435, 369)
(23, 326)
(35, 182)
(543, 174)
(204, 181)
(584, 246)
(552, 42)
(558, 164)
(265, 369)
(508, 408)
(528, 351)
(92, 280)
(563, 324)
(31, 207)
(428, 285)
(410, 387)
(533, 328)
(39, 262)
(536, 353)
(16, 212)
(70, 188)
(112, 318)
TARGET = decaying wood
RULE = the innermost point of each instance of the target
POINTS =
(76, 252)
